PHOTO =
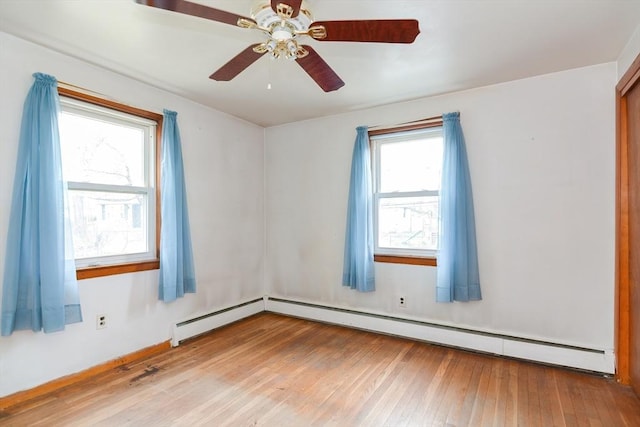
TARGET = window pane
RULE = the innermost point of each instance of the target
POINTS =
(98, 152)
(105, 223)
(408, 222)
(411, 165)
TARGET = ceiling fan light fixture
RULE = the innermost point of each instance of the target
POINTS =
(282, 32)
(292, 46)
(284, 23)
(280, 27)
(288, 49)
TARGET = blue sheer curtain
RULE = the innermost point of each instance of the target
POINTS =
(40, 290)
(358, 270)
(177, 275)
(458, 275)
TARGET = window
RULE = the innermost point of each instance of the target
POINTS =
(407, 168)
(109, 160)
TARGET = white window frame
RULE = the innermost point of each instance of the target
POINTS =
(149, 127)
(376, 141)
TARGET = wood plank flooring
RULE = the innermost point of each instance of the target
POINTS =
(271, 370)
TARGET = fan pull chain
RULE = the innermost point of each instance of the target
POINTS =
(269, 74)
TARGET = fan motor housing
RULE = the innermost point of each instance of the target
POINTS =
(267, 18)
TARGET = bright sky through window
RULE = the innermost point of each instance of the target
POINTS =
(103, 153)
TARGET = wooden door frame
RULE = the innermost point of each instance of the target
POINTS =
(622, 278)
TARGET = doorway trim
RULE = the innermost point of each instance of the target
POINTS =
(623, 285)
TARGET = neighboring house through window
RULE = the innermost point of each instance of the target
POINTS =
(109, 160)
(407, 169)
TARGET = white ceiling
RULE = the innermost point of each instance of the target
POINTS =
(463, 44)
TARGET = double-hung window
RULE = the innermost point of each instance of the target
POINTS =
(109, 164)
(407, 168)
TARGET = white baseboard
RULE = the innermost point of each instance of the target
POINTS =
(200, 324)
(595, 360)
(556, 354)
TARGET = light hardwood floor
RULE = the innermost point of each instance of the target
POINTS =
(271, 370)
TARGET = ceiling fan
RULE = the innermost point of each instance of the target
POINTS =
(284, 23)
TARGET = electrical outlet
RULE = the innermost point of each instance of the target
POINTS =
(402, 302)
(101, 321)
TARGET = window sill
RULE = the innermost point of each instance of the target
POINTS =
(109, 270)
(411, 260)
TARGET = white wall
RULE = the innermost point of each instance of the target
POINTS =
(224, 160)
(541, 154)
(629, 53)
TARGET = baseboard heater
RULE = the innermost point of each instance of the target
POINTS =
(589, 359)
(204, 323)
(595, 360)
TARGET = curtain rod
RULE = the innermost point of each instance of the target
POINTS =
(427, 120)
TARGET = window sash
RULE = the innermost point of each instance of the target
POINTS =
(389, 138)
(148, 215)
(386, 250)
(100, 113)
(148, 191)
(89, 186)
(425, 193)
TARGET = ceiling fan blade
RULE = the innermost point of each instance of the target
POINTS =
(320, 71)
(293, 4)
(237, 65)
(375, 31)
(195, 9)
